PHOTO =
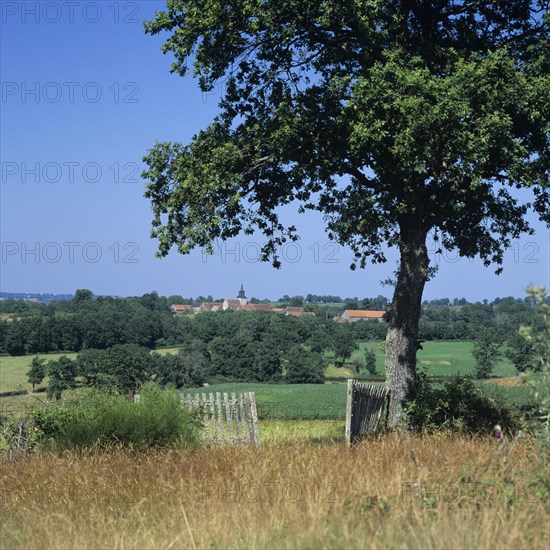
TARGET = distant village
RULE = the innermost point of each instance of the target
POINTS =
(240, 303)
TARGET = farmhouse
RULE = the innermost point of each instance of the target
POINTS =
(233, 303)
(257, 307)
(354, 315)
(178, 309)
(210, 306)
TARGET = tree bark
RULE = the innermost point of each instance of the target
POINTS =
(402, 337)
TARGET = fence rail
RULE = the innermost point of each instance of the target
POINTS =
(227, 419)
(366, 408)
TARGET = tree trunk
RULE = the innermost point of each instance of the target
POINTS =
(402, 338)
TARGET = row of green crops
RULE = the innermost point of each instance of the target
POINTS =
(328, 401)
(291, 401)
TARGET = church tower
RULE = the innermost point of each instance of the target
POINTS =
(242, 295)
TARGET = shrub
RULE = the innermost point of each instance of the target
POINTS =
(100, 419)
(370, 360)
(538, 339)
(357, 361)
(458, 405)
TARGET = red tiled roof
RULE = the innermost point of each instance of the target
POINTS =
(180, 307)
(363, 314)
(262, 307)
(256, 307)
(210, 305)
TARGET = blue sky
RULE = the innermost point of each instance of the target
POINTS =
(84, 94)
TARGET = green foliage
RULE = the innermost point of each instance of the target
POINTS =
(92, 366)
(62, 376)
(292, 401)
(316, 90)
(187, 368)
(101, 419)
(320, 339)
(129, 364)
(50, 421)
(370, 360)
(241, 358)
(486, 352)
(539, 341)
(459, 405)
(343, 343)
(82, 295)
(91, 323)
(520, 353)
(358, 361)
(303, 366)
(37, 371)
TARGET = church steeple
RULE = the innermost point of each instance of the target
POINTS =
(242, 295)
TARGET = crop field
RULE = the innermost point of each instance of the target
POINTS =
(291, 401)
(391, 492)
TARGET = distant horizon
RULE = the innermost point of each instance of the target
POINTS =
(271, 299)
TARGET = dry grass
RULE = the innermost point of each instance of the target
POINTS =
(509, 381)
(394, 492)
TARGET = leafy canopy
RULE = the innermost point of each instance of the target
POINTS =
(389, 117)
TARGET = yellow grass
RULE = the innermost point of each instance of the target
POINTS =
(393, 492)
(509, 381)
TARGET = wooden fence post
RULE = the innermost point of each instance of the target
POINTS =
(229, 419)
(349, 409)
(254, 413)
(365, 408)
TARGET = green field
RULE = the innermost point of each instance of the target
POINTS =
(291, 401)
(440, 358)
(437, 358)
(453, 357)
(13, 370)
(294, 402)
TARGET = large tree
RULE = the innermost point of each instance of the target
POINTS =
(398, 120)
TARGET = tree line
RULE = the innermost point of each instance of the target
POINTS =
(251, 346)
(89, 322)
(238, 346)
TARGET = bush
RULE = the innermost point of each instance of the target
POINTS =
(304, 367)
(458, 405)
(100, 419)
(357, 361)
(370, 360)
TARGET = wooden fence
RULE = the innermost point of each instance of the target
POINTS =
(366, 409)
(227, 420)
